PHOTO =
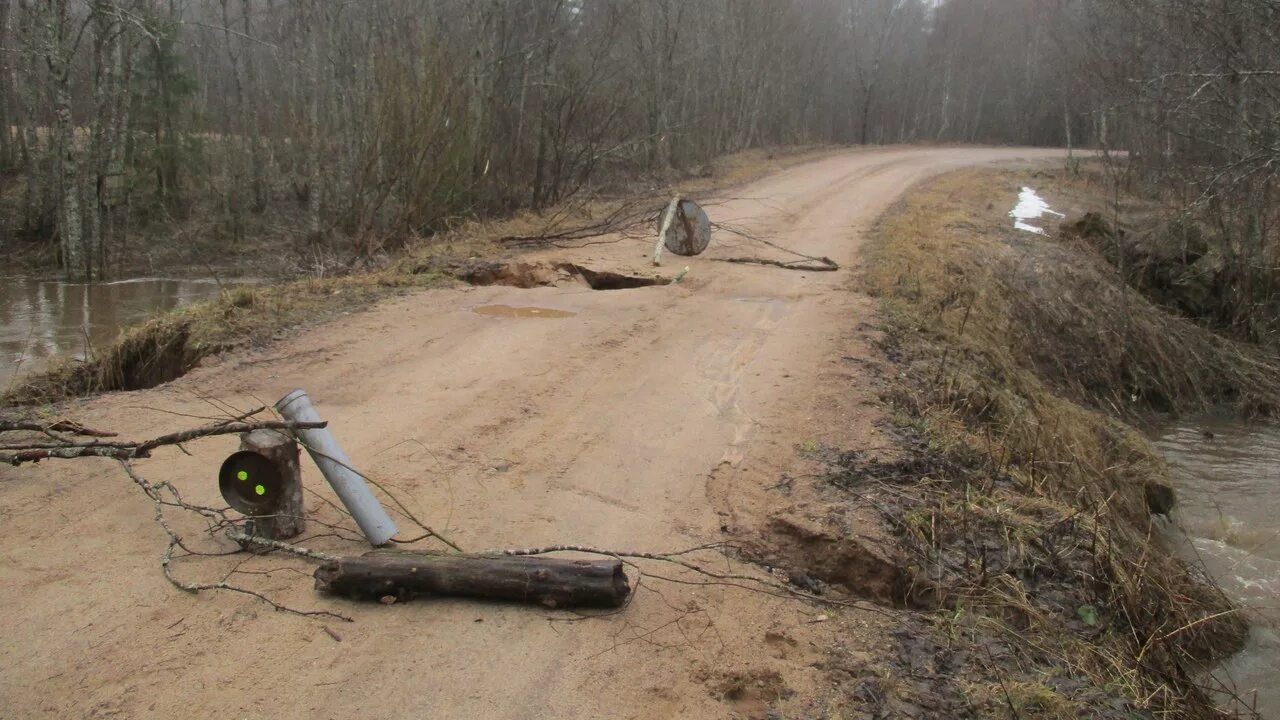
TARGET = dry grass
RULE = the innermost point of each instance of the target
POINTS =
(1024, 359)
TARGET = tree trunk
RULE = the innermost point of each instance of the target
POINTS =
(480, 96)
(36, 199)
(235, 135)
(7, 157)
(1066, 128)
(553, 582)
(289, 519)
(70, 228)
(251, 127)
(165, 168)
(166, 135)
(867, 96)
(114, 190)
(101, 134)
(314, 177)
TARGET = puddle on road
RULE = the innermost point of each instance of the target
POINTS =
(522, 312)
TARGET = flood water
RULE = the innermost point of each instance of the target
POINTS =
(43, 319)
(1227, 474)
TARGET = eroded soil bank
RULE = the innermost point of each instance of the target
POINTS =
(1020, 493)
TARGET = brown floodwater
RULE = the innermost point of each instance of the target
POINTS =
(1227, 474)
(44, 319)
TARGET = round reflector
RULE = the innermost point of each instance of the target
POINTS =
(250, 483)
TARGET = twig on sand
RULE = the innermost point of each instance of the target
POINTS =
(156, 492)
(62, 426)
(811, 263)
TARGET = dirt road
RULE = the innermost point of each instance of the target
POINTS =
(654, 418)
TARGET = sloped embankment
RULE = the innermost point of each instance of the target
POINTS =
(1027, 516)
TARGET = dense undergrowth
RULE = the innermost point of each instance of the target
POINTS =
(1023, 360)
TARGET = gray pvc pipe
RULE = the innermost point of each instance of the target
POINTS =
(336, 467)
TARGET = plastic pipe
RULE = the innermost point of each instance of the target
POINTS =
(336, 467)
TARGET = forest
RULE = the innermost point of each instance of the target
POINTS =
(344, 130)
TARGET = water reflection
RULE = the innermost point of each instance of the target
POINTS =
(42, 319)
(1227, 474)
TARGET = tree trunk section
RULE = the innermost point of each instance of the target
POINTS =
(553, 582)
(289, 519)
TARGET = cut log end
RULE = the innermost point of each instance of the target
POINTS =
(551, 582)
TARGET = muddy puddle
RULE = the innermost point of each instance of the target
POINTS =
(43, 319)
(1227, 474)
(522, 312)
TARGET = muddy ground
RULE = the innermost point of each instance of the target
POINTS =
(648, 418)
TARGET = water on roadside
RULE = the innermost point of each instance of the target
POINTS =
(1227, 474)
(44, 319)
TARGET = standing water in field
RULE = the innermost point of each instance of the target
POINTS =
(44, 319)
(1030, 207)
(1227, 474)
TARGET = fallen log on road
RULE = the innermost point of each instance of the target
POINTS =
(553, 582)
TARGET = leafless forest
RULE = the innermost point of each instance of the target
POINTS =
(361, 124)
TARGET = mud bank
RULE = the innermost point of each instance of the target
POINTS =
(1021, 498)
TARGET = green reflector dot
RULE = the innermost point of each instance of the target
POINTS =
(242, 475)
(260, 489)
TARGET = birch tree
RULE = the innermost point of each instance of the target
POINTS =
(61, 39)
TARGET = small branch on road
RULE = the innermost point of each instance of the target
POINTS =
(811, 263)
(65, 449)
(822, 264)
(62, 426)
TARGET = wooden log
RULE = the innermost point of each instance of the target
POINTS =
(289, 518)
(553, 582)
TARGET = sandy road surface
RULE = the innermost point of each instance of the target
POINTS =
(653, 418)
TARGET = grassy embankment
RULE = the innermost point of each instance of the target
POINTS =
(169, 345)
(1025, 362)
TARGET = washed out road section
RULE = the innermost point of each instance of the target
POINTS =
(647, 418)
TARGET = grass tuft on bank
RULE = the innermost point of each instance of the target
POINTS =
(1022, 362)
